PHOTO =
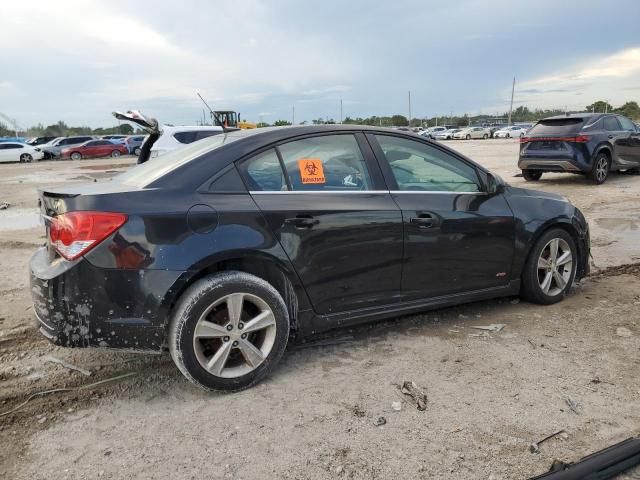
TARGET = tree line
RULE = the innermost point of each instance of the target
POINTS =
(521, 114)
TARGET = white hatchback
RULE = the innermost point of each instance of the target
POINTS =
(172, 137)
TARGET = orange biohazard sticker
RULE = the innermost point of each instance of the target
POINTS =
(311, 170)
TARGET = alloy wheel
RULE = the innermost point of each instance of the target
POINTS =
(234, 335)
(602, 169)
(25, 157)
(555, 267)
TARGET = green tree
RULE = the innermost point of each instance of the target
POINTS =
(599, 107)
(125, 129)
(630, 110)
(4, 131)
(399, 121)
(262, 124)
(281, 123)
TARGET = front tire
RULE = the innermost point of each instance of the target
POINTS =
(532, 175)
(485, 136)
(115, 154)
(468, 137)
(229, 331)
(551, 268)
(137, 151)
(76, 156)
(600, 171)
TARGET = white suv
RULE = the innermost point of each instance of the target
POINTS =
(175, 137)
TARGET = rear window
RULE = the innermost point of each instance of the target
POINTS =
(557, 126)
(154, 168)
(194, 135)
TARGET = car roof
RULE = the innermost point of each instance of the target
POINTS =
(191, 128)
(584, 115)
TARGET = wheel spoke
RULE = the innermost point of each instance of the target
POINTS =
(560, 281)
(543, 263)
(553, 249)
(546, 283)
(234, 308)
(263, 320)
(564, 258)
(216, 364)
(251, 353)
(207, 329)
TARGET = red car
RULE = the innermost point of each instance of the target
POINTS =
(95, 148)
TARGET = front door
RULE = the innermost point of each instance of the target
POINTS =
(458, 238)
(323, 197)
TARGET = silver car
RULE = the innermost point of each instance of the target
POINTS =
(54, 148)
(472, 132)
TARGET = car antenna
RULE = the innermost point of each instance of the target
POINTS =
(214, 116)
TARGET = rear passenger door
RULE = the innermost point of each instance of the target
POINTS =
(631, 150)
(619, 140)
(324, 198)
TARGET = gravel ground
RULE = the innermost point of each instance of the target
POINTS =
(489, 396)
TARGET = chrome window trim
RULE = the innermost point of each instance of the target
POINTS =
(438, 192)
(395, 192)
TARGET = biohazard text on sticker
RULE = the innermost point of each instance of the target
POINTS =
(311, 170)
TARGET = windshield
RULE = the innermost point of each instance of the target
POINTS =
(148, 172)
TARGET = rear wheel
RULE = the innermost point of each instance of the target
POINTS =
(115, 153)
(25, 157)
(485, 136)
(468, 137)
(76, 156)
(137, 151)
(531, 175)
(550, 268)
(228, 331)
(600, 171)
(508, 135)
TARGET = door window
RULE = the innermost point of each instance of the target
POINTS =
(325, 163)
(264, 173)
(611, 124)
(420, 167)
(627, 124)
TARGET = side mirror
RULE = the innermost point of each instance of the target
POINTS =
(495, 184)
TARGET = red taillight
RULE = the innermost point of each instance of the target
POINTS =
(75, 233)
(578, 139)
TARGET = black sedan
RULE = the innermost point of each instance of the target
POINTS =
(223, 250)
(593, 144)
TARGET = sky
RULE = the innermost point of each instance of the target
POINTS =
(78, 61)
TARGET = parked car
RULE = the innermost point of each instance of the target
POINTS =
(446, 134)
(35, 141)
(134, 143)
(226, 248)
(587, 143)
(54, 148)
(494, 128)
(431, 132)
(514, 131)
(472, 132)
(19, 152)
(94, 148)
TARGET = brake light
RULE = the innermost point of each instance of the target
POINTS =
(578, 139)
(73, 234)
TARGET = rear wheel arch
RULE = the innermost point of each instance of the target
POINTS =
(602, 149)
(262, 266)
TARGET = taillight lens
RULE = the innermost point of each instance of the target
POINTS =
(578, 139)
(75, 233)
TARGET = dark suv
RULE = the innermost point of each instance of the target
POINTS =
(221, 250)
(587, 143)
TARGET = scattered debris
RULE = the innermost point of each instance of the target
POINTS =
(378, 422)
(535, 447)
(532, 344)
(623, 332)
(573, 405)
(456, 429)
(418, 396)
(69, 389)
(326, 343)
(4, 205)
(70, 366)
(515, 301)
(494, 327)
(397, 406)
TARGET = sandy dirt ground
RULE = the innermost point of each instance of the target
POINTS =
(328, 411)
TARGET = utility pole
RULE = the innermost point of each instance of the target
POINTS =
(513, 88)
(340, 110)
(409, 108)
(293, 114)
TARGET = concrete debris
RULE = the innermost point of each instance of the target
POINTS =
(67, 365)
(378, 422)
(623, 332)
(418, 396)
(397, 406)
(535, 447)
(4, 205)
(573, 405)
(494, 327)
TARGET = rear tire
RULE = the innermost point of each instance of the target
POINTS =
(76, 156)
(206, 339)
(547, 277)
(115, 154)
(531, 175)
(468, 137)
(137, 151)
(26, 158)
(508, 135)
(600, 171)
(485, 136)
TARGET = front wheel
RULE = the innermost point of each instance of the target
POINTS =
(531, 175)
(76, 156)
(137, 151)
(507, 135)
(468, 137)
(600, 171)
(229, 331)
(115, 154)
(485, 136)
(551, 267)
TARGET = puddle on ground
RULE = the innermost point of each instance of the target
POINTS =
(617, 224)
(19, 219)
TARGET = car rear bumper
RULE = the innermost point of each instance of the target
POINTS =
(549, 164)
(79, 305)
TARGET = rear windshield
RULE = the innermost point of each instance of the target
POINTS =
(558, 126)
(191, 136)
(154, 168)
